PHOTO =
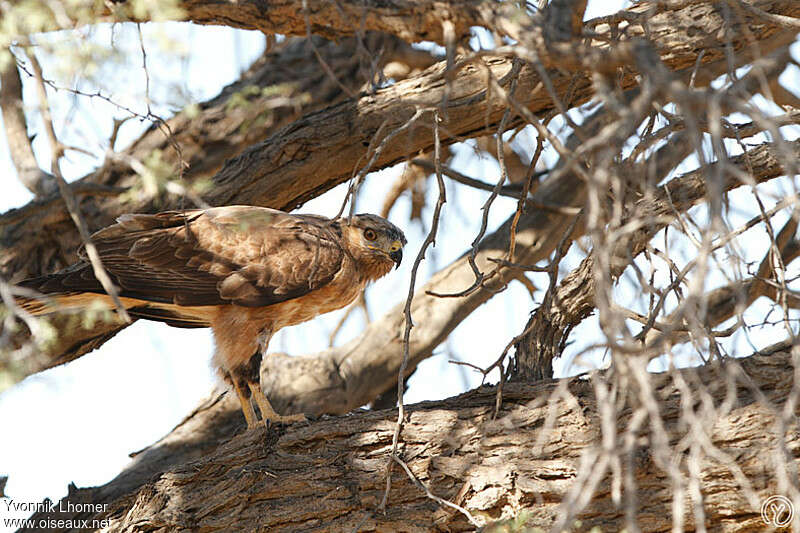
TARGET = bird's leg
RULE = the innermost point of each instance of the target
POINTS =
(268, 414)
(244, 400)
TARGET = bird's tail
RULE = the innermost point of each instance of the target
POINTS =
(75, 289)
(63, 302)
(71, 288)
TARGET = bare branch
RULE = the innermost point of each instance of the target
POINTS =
(576, 292)
(29, 173)
(407, 320)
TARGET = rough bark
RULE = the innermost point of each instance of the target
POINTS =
(440, 21)
(328, 475)
(408, 20)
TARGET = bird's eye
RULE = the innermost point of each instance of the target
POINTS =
(370, 235)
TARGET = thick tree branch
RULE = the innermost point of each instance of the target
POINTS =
(323, 476)
(408, 20)
(423, 21)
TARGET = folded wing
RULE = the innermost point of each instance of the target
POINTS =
(242, 255)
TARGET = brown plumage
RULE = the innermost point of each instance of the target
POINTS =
(244, 271)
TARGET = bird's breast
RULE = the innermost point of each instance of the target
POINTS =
(340, 292)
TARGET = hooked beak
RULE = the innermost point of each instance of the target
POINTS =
(397, 257)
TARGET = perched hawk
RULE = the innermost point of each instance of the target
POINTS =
(244, 271)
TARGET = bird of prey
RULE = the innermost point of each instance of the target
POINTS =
(243, 271)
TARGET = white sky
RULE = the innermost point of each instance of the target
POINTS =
(78, 423)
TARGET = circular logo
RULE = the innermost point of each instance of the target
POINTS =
(777, 511)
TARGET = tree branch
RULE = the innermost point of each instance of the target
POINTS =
(36, 180)
(730, 300)
(322, 476)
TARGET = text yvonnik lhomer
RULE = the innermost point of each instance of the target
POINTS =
(47, 506)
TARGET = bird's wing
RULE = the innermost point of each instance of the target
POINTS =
(242, 255)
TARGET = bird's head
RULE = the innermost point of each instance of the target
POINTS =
(375, 242)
